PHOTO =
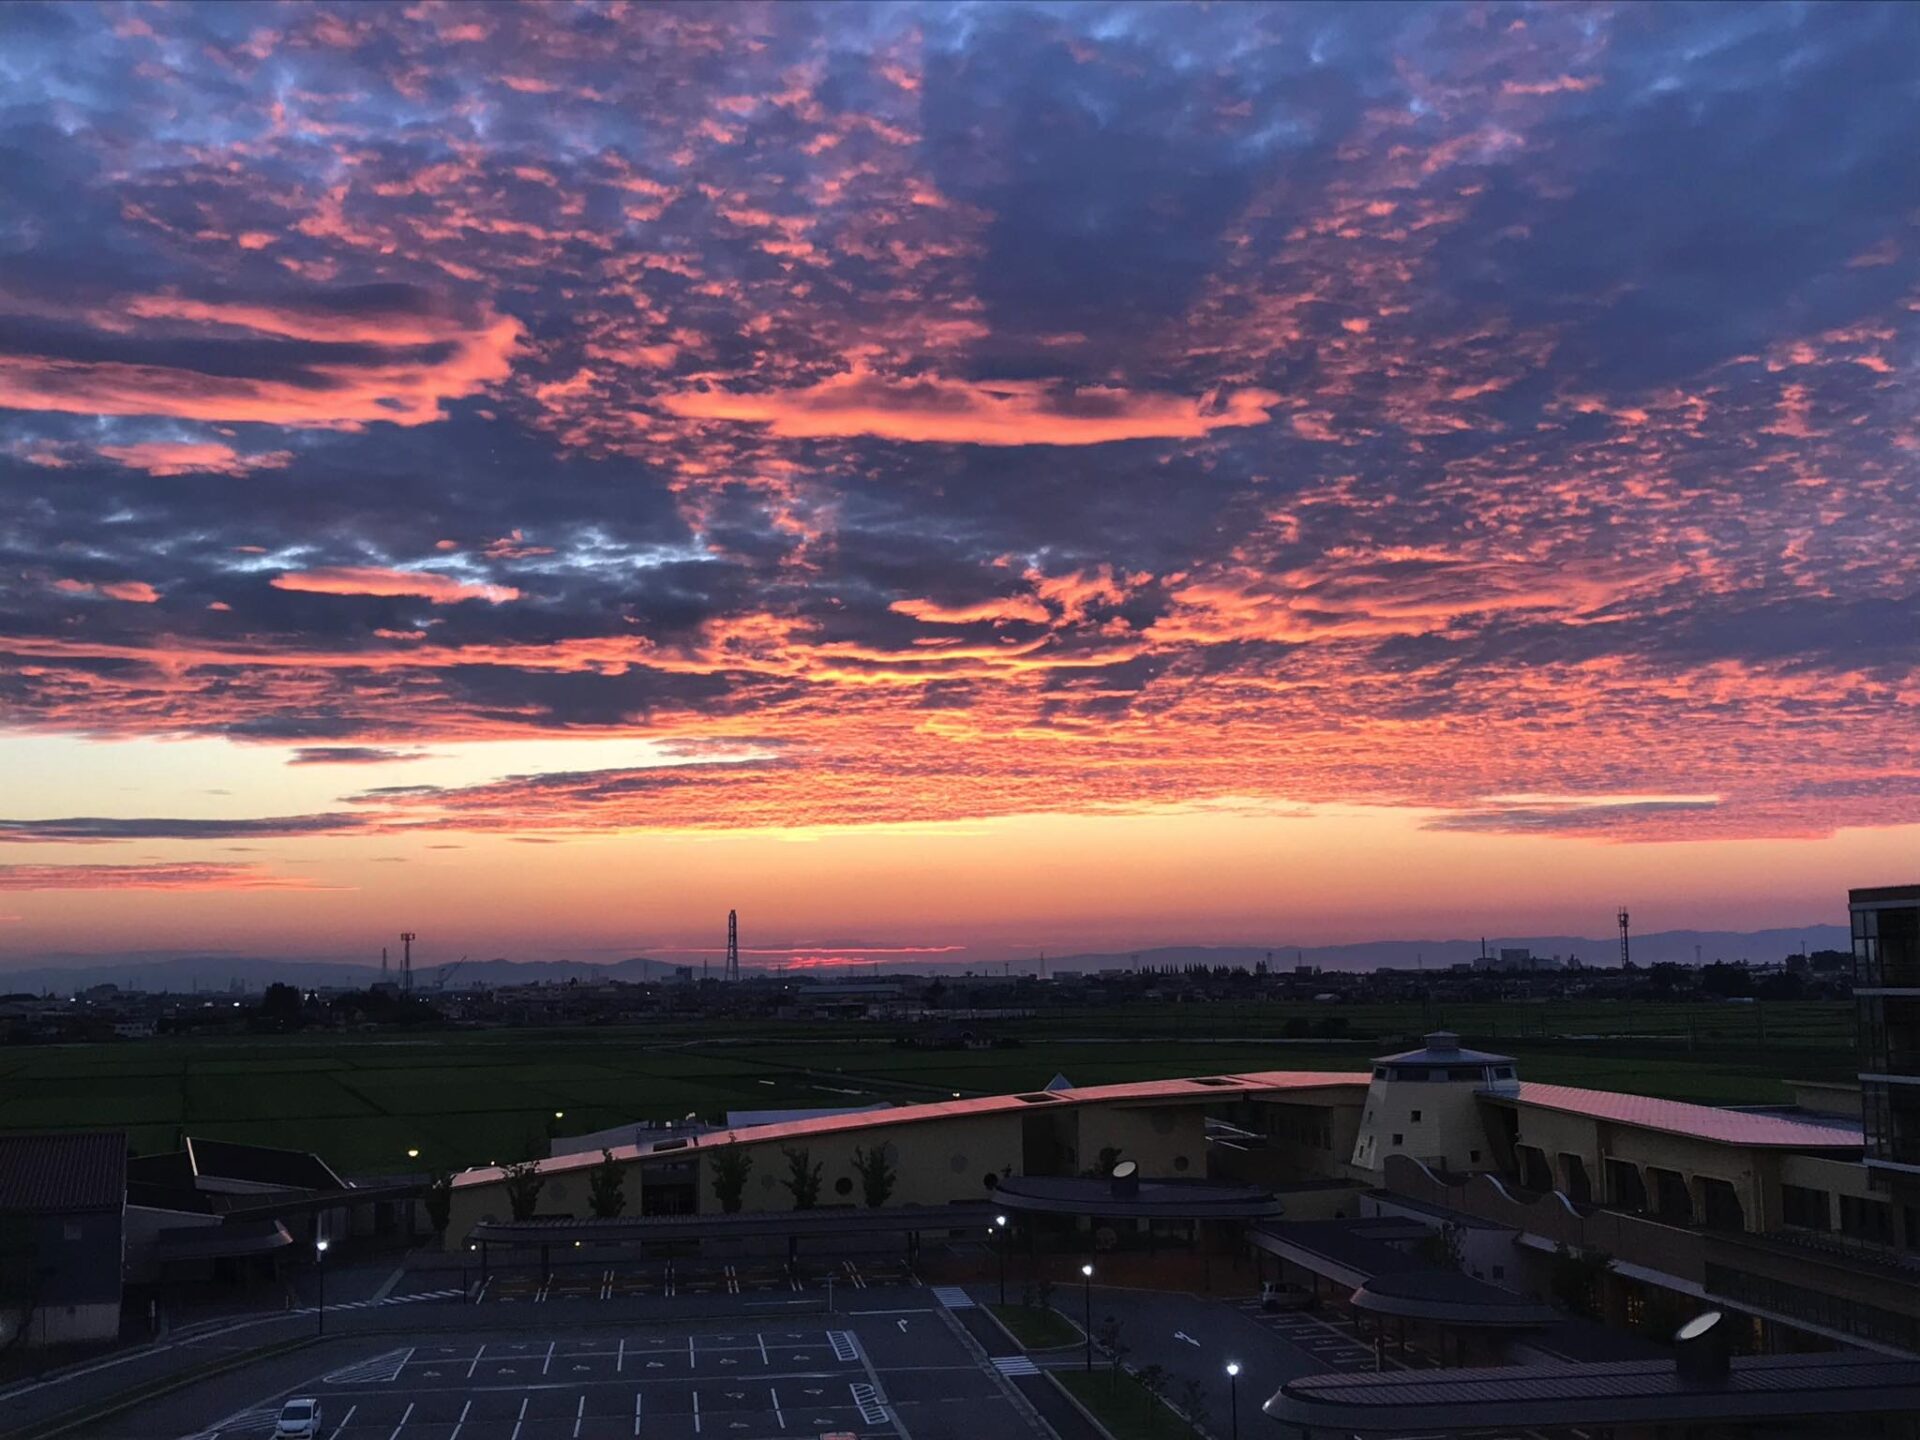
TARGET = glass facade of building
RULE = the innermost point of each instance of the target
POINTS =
(1886, 977)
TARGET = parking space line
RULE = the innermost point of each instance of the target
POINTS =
(696, 1412)
(636, 1411)
(690, 1354)
(620, 1356)
(778, 1414)
(580, 1416)
(461, 1421)
(521, 1419)
(763, 1347)
(476, 1360)
(345, 1420)
(547, 1364)
(403, 1422)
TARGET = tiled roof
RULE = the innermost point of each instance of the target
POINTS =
(54, 1174)
(1699, 1122)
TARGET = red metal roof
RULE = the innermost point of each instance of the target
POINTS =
(1700, 1122)
(1199, 1089)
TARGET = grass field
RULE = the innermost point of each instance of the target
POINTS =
(1127, 1409)
(460, 1099)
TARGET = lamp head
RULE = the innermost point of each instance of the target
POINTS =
(321, 1245)
(1087, 1270)
(1233, 1368)
(1000, 1220)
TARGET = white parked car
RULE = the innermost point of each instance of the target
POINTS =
(298, 1417)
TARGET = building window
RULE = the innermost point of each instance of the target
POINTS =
(1499, 1272)
(70, 1230)
(843, 1186)
(1804, 1208)
(1180, 1162)
(1870, 1220)
(1398, 1138)
(1416, 1117)
(1473, 1157)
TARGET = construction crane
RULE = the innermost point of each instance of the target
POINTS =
(440, 980)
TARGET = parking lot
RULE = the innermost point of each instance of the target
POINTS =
(1331, 1339)
(589, 1281)
(877, 1377)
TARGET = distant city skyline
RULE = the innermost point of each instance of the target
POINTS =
(972, 478)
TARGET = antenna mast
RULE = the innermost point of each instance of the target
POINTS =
(1626, 958)
(407, 937)
(733, 945)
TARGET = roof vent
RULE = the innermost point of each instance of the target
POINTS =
(1700, 1349)
(1443, 1040)
(1125, 1179)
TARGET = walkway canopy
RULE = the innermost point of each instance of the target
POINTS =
(791, 1225)
(1128, 1198)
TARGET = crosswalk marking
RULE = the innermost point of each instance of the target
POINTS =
(867, 1399)
(953, 1297)
(1015, 1365)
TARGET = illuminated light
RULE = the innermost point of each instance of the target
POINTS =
(1233, 1368)
(1087, 1270)
(413, 1154)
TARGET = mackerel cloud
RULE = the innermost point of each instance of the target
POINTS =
(966, 410)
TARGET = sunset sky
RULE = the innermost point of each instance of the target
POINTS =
(952, 480)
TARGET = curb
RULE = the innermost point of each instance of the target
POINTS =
(86, 1415)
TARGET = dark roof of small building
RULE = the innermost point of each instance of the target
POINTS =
(261, 1165)
(1446, 1402)
(1349, 1251)
(214, 1242)
(1447, 1297)
(1443, 1048)
(57, 1174)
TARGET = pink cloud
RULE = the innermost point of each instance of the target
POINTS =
(964, 412)
(186, 457)
(371, 580)
(1019, 607)
(138, 592)
(397, 383)
(184, 876)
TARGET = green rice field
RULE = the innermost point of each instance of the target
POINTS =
(364, 1101)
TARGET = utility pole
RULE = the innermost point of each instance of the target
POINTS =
(407, 937)
(733, 945)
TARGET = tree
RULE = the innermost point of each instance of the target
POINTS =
(1573, 1278)
(1193, 1400)
(1043, 1293)
(731, 1166)
(606, 1187)
(524, 1184)
(1110, 1338)
(1153, 1380)
(1104, 1162)
(1443, 1246)
(803, 1178)
(439, 1203)
(875, 1170)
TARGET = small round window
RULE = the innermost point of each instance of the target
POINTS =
(843, 1186)
(1180, 1162)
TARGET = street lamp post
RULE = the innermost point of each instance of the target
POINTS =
(1086, 1309)
(1000, 1245)
(1233, 1395)
(320, 1267)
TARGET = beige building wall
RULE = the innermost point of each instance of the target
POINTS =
(1437, 1122)
(1166, 1141)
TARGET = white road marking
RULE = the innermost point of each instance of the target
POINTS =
(461, 1421)
(476, 1360)
(778, 1413)
(521, 1419)
(696, 1412)
(763, 1348)
(620, 1356)
(403, 1422)
(344, 1419)
(690, 1358)
(636, 1412)
(579, 1417)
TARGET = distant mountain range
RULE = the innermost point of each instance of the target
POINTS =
(217, 972)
